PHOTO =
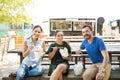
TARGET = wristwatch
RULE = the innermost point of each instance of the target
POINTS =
(103, 70)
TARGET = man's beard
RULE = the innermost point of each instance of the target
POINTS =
(87, 36)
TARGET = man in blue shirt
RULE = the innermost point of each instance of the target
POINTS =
(96, 49)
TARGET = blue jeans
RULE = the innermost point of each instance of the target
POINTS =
(25, 71)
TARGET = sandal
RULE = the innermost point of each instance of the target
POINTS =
(13, 74)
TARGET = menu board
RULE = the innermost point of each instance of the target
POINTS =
(62, 24)
(77, 25)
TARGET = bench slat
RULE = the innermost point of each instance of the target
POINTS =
(115, 75)
(48, 63)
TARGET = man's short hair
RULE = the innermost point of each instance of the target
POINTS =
(87, 26)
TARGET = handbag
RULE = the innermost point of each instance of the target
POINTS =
(78, 68)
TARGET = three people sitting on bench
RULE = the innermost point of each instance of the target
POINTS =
(95, 47)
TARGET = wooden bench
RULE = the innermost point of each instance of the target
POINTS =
(114, 76)
(107, 39)
(4, 45)
(48, 63)
(114, 73)
(88, 62)
(118, 58)
(83, 58)
(45, 76)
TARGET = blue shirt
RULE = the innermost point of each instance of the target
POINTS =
(94, 49)
(33, 59)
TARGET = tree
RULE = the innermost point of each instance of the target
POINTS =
(13, 11)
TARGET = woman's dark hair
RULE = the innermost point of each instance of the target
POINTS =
(87, 26)
(37, 26)
(58, 30)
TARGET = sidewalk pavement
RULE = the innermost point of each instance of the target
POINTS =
(8, 65)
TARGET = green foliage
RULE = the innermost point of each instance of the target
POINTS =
(13, 11)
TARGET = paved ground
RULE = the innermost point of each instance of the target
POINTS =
(10, 64)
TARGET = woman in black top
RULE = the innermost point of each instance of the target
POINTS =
(59, 53)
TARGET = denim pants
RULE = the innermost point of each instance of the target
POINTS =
(25, 71)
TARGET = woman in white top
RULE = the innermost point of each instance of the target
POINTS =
(33, 51)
